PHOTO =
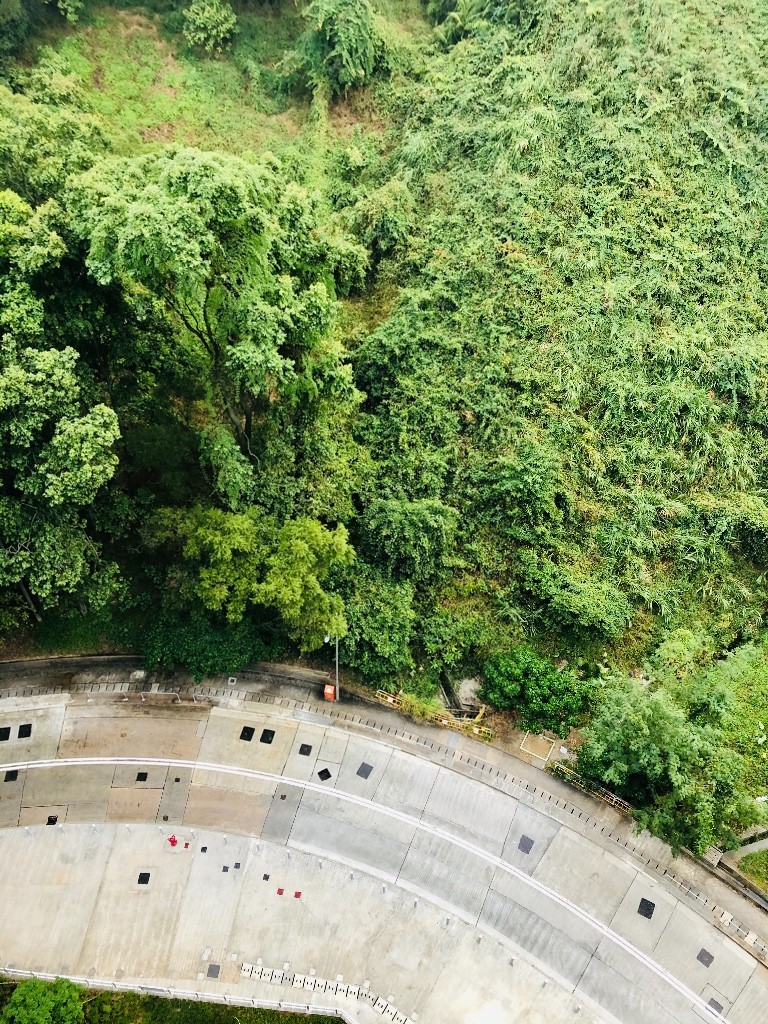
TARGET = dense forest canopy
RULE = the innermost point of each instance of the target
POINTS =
(439, 327)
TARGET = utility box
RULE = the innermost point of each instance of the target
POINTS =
(330, 691)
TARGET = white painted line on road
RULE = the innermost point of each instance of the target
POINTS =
(417, 823)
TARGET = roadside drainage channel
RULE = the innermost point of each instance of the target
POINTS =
(362, 992)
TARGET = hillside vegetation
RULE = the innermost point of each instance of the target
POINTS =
(441, 327)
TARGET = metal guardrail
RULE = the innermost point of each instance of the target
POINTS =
(107, 985)
(445, 719)
(562, 771)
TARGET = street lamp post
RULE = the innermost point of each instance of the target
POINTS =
(336, 690)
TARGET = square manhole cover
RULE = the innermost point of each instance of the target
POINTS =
(213, 970)
(646, 909)
(525, 845)
(364, 770)
(324, 774)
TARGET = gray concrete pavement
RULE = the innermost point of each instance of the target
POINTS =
(407, 830)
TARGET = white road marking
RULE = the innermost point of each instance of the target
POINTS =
(417, 823)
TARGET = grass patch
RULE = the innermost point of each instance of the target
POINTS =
(755, 867)
(149, 89)
(746, 730)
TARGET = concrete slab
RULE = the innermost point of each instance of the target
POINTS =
(406, 783)
(282, 812)
(450, 875)
(208, 906)
(333, 747)
(348, 843)
(49, 885)
(222, 743)
(589, 876)
(33, 730)
(85, 813)
(173, 802)
(228, 809)
(369, 818)
(470, 809)
(528, 838)
(126, 730)
(643, 931)
(40, 815)
(750, 1005)
(10, 797)
(363, 767)
(136, 924)
(502, 988)
(620, 964)
(624, 1000)
(688, 940)
(302, 756)
(548, 909)
(86, 784)
(542, 941)
(133, 804)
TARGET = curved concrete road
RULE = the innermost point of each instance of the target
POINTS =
(609, 936)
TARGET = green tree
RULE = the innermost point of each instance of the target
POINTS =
(542, 696)
(43, 141)
(55, 455)
(230, 561)
(44, 1002)
(683, 783)
(234, 254)
(209, 24)
(14, 26)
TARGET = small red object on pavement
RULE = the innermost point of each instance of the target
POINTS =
(297, 895)
(329, 692)
(173, 840)
(186, 846)
(280, 892)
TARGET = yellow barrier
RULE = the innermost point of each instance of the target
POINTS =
(444, 719)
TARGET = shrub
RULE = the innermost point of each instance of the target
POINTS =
(342, 45)
(543, 697)
(209, 24)
(200, 645)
